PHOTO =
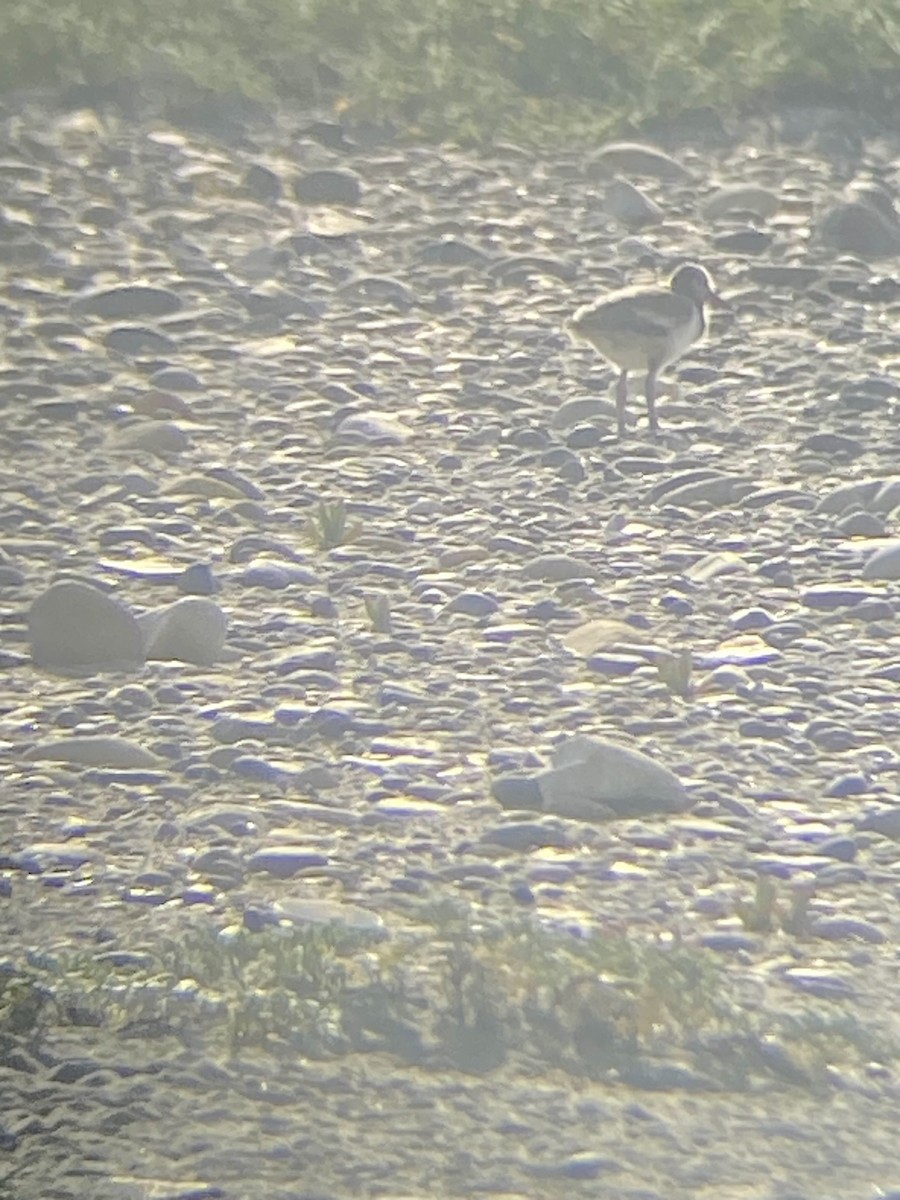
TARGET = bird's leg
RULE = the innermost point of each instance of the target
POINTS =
(650, 393)
(621, 400)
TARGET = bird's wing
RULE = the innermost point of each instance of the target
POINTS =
(650, 315)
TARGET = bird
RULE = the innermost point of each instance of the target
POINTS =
(645, 329)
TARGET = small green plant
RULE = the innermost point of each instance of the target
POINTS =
(331, 526)
(378, 610)
(767, 911)
(676, 672)
(23, 1004)
(453, 987)
(570, 72)
(760, 914)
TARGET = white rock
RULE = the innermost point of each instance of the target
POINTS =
(97, 751)
(884, 563)
(189, 630)
(73, 625)
(591, 776)
(300, 911)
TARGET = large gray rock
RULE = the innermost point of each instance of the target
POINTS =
(592, 779)
(75, 626)
(190, 630)
(858, 227)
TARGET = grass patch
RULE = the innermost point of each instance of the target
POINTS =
(446, 992)
(468, 69)
(331, 525)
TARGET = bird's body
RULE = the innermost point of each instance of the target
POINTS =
(645, 329)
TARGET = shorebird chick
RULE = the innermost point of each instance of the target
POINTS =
(645, 329)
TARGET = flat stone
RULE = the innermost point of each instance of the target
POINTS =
(635, 158)
(93, 751)
(328, 187)
(128, 300)
(299, 911)
(286, 861)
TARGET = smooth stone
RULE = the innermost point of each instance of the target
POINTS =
(45, 856)
(718, 492)
(192, 630)
(136, 341)
(11, 576)
(855, 227)
(300, 911)
(524, 835)
(128, 300)
(743, 241)
(558, 568)
(176, 379)
(328, 187)
(74, 625)
(321, 661)
(258, 770)
(629, 205)
(451, 252)
(590, 776)
(275, 576)
(94, 751)
(848, 785)
(406, 807)
(885, 821)
(507, 634)
(286, 861)
(581, 410)
(635, 158)
(157, 437)
(263, 183)
(517, 791)
(729, 942)
(374, 427)
(877, 496)
(714, 565)
(847, 929)
(884, 563)
(472, 604)
(615, 666)
(740, 199)
(826, 597)
(751, 618)
(198, 580)
(822, 983)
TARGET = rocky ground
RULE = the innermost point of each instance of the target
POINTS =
(314, 527)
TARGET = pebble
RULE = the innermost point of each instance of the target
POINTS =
(128, 301)
(191, 630)
(93, 751)
(855, 227)
(300, 911)
(636, 158)
(328, 187)
(284, 862)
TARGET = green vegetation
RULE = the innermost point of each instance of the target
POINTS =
(378, 610)
(676, 672)
(472, 70)
(331, 526)
(768, 911)
(444, 991)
